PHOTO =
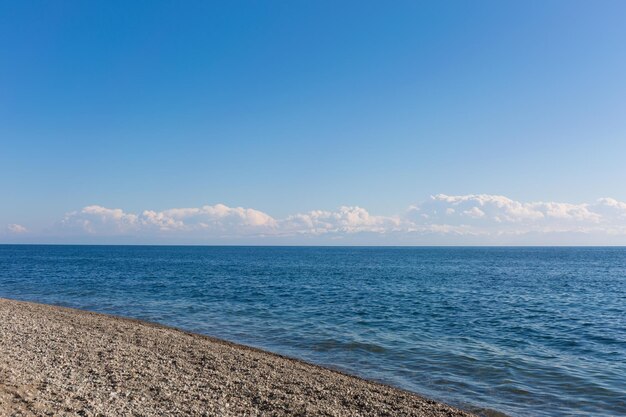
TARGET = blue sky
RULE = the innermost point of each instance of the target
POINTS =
(287, 108)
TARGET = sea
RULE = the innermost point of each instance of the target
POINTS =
(517, 331)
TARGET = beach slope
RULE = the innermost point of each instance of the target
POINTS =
(59, 361)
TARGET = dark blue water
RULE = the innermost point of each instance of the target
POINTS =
(525, 331)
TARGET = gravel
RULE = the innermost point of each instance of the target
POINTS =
(57, 361)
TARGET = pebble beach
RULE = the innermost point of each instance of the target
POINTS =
(56, 361)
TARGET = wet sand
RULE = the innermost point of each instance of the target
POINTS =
(63, 362)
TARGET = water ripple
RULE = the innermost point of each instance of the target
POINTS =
(524, 331)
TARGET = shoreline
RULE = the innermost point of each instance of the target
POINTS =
(63, 361)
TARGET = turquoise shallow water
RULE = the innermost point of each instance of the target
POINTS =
(525, 331)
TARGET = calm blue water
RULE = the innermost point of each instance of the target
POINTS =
(525, 331)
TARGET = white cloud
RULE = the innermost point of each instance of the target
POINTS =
(98, 220)
(344, 220)
(481, 217)
(498, 215)
(496, 207)
(474, 212)
(500, 209)
(610, 210)
(16, 229)
(218, 219)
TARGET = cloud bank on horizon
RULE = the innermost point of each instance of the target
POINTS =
(442, 219)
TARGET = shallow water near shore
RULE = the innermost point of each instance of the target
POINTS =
(525, 331)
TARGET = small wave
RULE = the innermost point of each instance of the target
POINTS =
(333, 344)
